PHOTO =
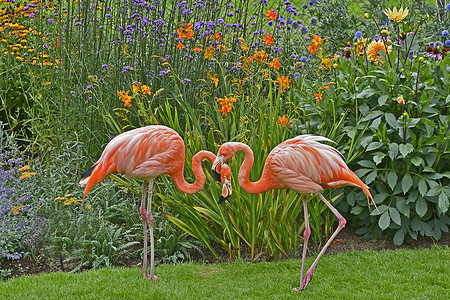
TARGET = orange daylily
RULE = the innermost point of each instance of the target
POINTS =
(318, 96)
(180, 46)
(268, 39)
(275, 63)
(227, 104)
(283, 82)
(271, 15)
(209, 53)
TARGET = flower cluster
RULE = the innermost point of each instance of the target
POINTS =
(67, 200)
(226, 104)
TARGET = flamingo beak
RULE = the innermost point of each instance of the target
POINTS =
(217, 166)
(226, 191)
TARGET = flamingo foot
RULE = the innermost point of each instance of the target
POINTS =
(308, 277)
(149, 277)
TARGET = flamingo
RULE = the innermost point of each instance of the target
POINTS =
(144, 153)
(304, 165)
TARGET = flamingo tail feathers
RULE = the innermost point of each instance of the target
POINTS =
(351, 177)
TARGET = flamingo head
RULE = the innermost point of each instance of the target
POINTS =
(225, 179)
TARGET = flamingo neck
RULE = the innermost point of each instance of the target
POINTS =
(197, 186)
(244, 182)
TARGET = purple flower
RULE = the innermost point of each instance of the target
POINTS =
(51, 21)
(305, 6)
(73, 93)
(445, 33)
(186, 80)
(303, 59)
(210, 24)
(313, 21)
(108, 16)
(358, 34)
(220, 21)
(304, 29)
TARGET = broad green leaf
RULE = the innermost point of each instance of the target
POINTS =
(434, 191)
(393, 150)
(417, 161)
(443, 202)
(371, 177)
(356, 210)
(395, 216)
(392, 179)
(367, 164)
(399, 236)
(382, 99)
(422, 187)
(405, 149)
(421, 206)
(392, 121)
(374, 145)
(402, 207)
(384, 220)
(406, 183)
(366, 93)
(381, 209)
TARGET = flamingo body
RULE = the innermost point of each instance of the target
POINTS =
(302, 164)
(144, 153)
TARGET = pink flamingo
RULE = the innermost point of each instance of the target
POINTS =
(304, 165)
(144, 153)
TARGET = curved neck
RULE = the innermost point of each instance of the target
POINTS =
(197, 186)
(262, 185)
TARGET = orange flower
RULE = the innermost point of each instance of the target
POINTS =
(125, 98)
(284, 120)
(268, 39)
(180, 46)
(316, 42)
(275, 64)
(214, 79)
(373, 51)
(185, 32)
(271, 15)
(209, 53)
(216, 36)
(227, 104)
(145, 90)
(318, 96)
(401, 100)
(283, 82)
(260, 56)
(244, 45)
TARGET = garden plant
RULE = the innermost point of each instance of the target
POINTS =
(373, 76)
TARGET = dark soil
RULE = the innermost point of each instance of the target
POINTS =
(347, 240)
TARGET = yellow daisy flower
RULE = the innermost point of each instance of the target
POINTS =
(396, 15)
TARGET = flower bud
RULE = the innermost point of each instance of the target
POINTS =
(421, 59)
(384, 32)
(335, 66)
(366, 16)
(405, 114)
(388, 42)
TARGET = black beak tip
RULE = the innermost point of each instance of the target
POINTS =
(217, 175)
(222, 199)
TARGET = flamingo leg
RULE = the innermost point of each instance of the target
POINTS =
(144, 221)
(150, 224)
(341, 225)
(306, 235)
(147, 217)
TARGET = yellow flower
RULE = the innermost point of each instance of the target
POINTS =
(401, 100)
(15, 209)
(27, 175)
(396, 15)
(209, 53)
(24, 168)
(373, 51)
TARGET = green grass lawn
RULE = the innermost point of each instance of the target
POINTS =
(399, 274)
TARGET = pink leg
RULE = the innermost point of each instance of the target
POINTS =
(147, 218)
(306, 235)
(152, 240)
(341, 225)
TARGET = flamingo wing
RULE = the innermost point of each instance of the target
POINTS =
(304, 161)
(142, 153)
